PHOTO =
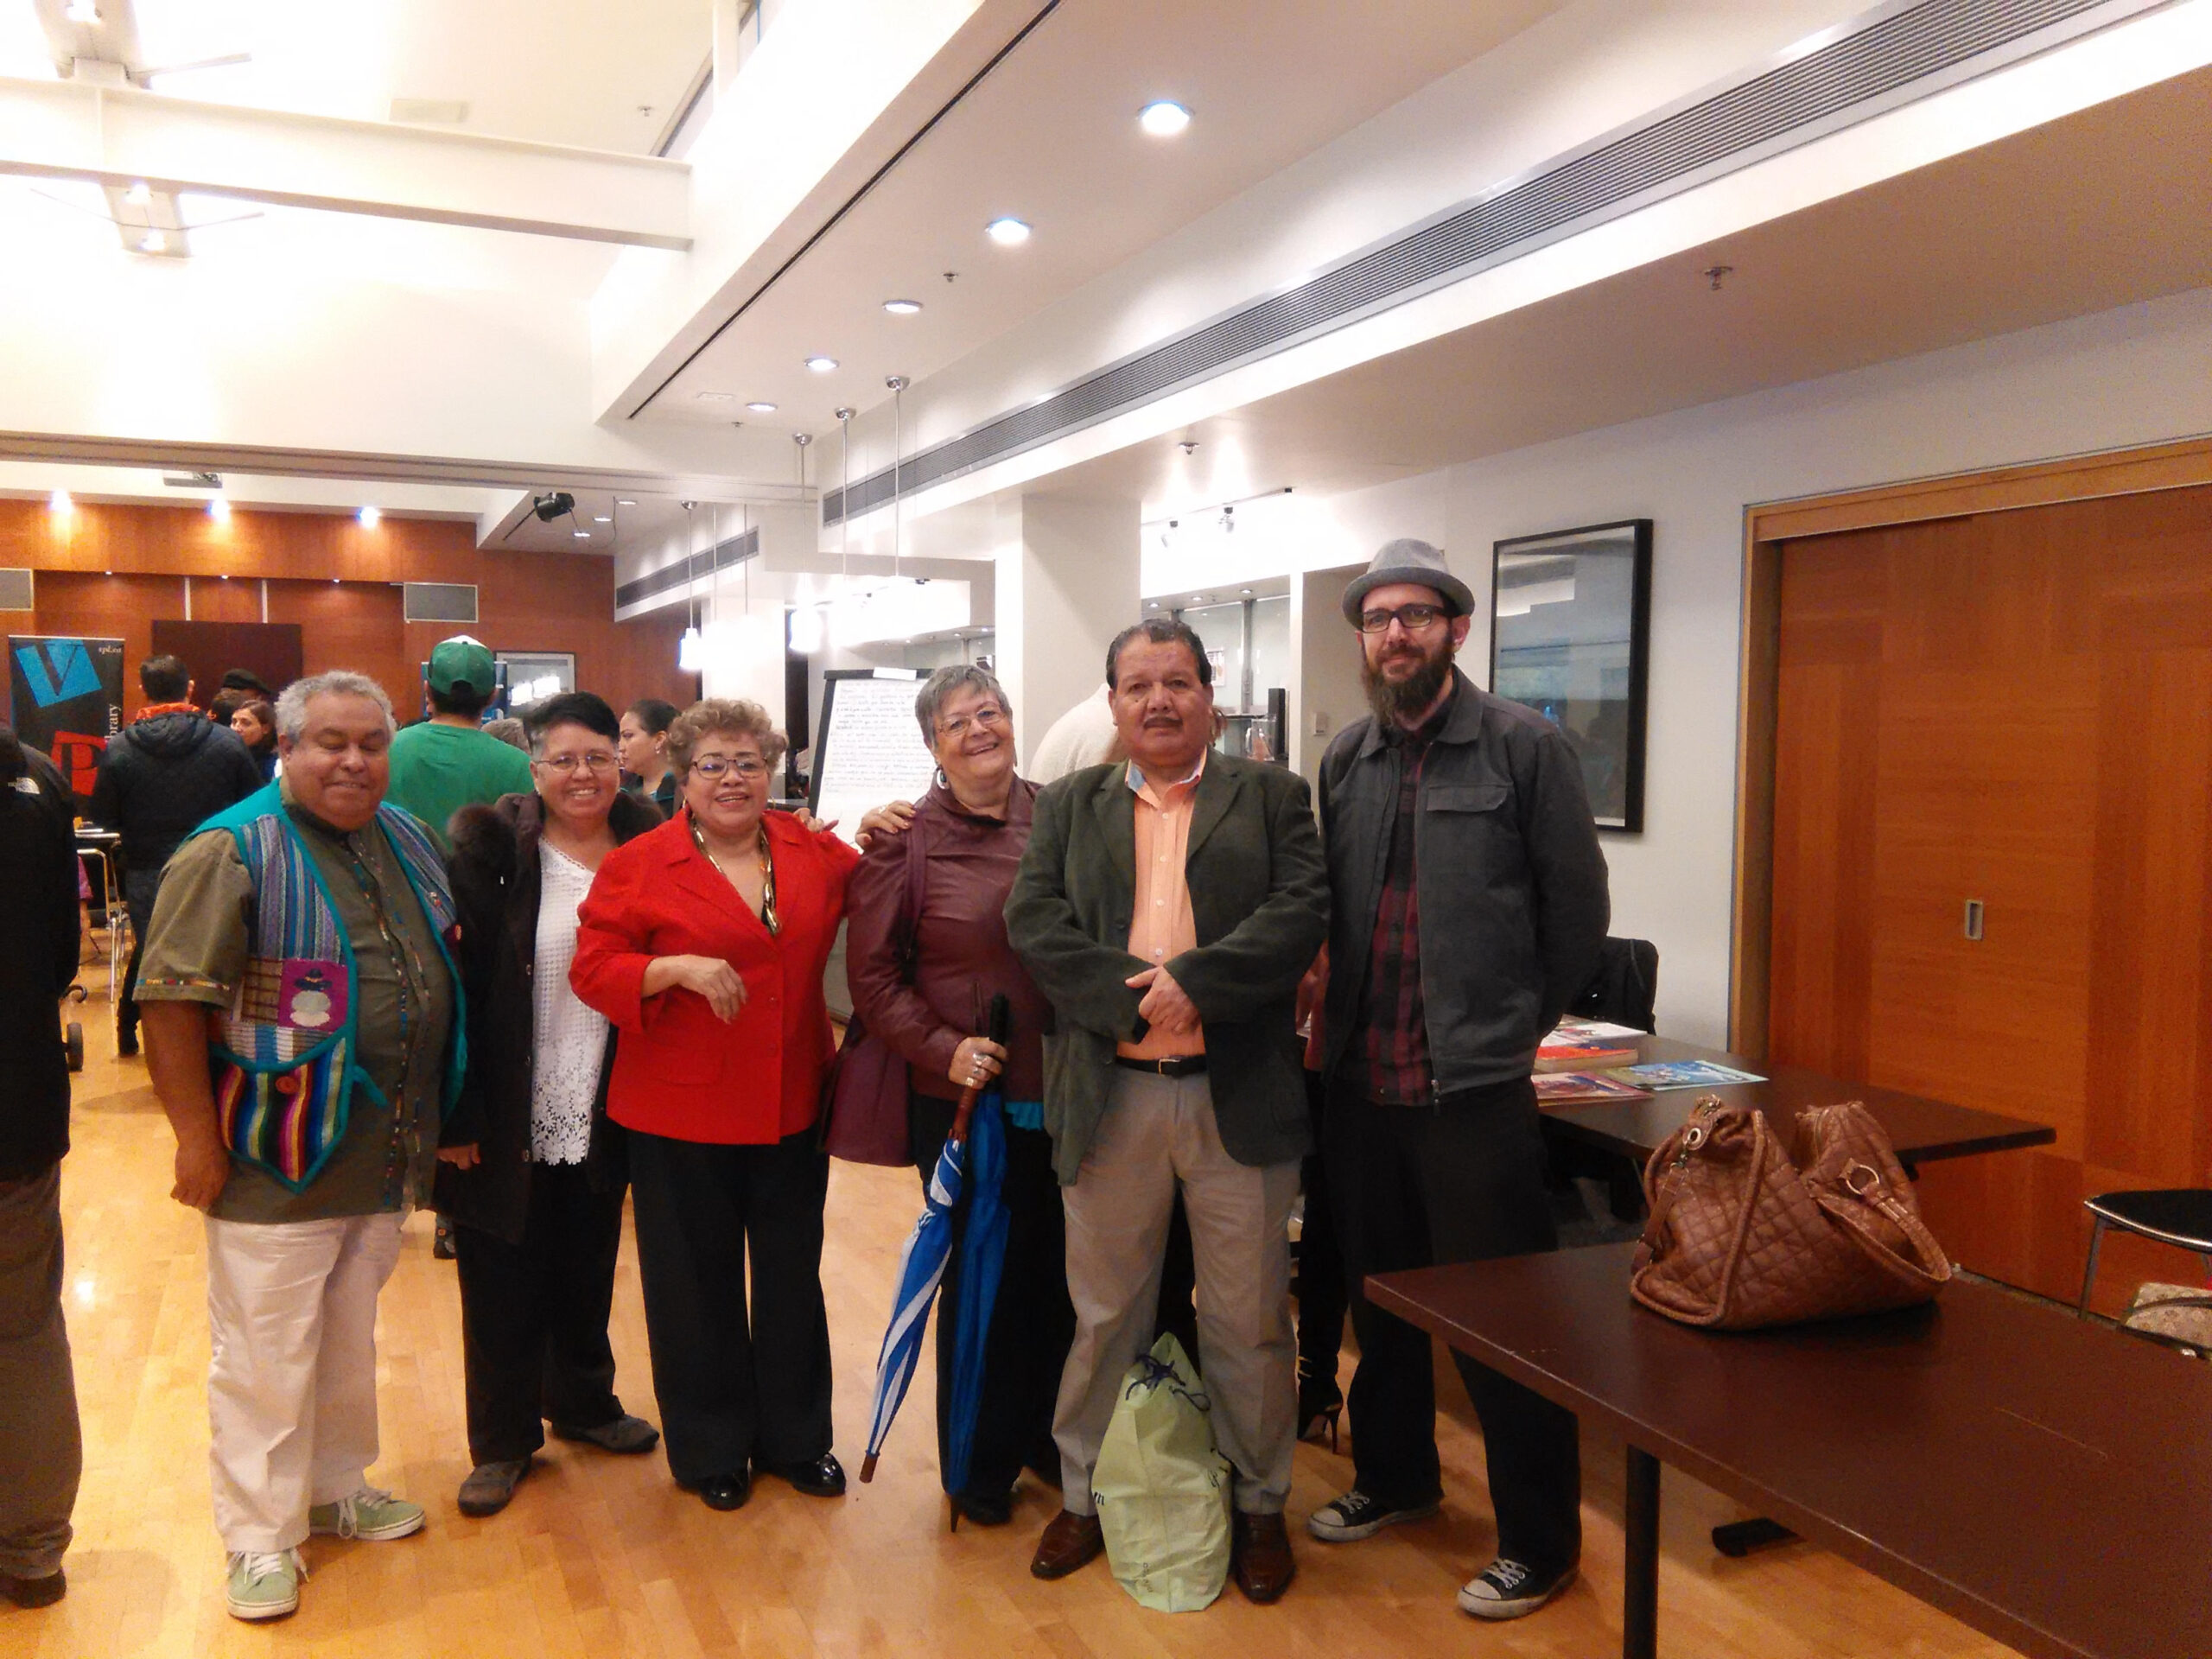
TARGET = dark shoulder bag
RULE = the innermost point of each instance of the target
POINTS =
(864, 1117)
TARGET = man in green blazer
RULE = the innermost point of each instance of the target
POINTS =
(1167, 907)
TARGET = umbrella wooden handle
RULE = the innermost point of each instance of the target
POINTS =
(868, 1467)
(995, 1026)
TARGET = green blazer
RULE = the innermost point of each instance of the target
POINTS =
(1260, 897)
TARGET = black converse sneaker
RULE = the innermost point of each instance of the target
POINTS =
(1356, 1516)
(1507, 1590)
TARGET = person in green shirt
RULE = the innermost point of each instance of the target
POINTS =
(449, 761)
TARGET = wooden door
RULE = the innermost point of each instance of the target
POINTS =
(2014, 708)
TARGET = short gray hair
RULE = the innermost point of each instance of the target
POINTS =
(959, 677)
(292, 706)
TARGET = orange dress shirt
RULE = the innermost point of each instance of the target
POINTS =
(1161, 924)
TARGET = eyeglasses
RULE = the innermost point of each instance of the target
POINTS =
(714, 766)
(597, 761)
(1415, 618)
(989, 718)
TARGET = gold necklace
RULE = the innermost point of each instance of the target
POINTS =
(768, 919)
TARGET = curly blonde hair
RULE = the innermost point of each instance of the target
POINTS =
(728, 717)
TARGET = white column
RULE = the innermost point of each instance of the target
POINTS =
(1067, 583)
(1325, 694)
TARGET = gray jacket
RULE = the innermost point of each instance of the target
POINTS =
(1508, 874)
(1259, 899)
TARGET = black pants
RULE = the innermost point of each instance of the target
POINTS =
(1413, 1187)
(1320, 1284)
(736, 1383)
(533, 1316)
(126, 1004)
(1032, 1320)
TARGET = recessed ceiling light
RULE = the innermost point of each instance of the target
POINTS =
(138, 195)
(1197, 599)
(82, 11)
(1006, 233)
(580, 535)
(717, 397)
(60, 503)
(601, 518)
(218, 509)
(821, 365)
(226, 576)
(625, 501)
(369, 517)
(1163, 118)
(153, 242)
(762, 409)
(902, 308)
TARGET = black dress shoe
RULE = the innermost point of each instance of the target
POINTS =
(34, 1593)
(985, 1509)
(822, 1477)
(726, 1491)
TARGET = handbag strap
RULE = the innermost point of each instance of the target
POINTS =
(1932, 1266)
(910, 914)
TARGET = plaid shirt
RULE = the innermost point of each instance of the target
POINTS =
(1391, 1049)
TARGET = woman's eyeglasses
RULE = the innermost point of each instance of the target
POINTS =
(989, 718)
(566, 765)
(714, 766)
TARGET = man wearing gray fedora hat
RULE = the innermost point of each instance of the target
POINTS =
(1467, 905)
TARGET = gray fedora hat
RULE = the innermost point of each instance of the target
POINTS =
(1408, 560)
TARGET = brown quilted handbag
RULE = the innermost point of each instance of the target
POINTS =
(1740, 1236)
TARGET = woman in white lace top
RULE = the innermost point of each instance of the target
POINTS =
(531, 1174)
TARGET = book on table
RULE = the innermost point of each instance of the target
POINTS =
(1584, 1057)
(1583, 1088)
(1682, 1074)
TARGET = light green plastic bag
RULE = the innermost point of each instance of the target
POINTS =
(1162, 1489)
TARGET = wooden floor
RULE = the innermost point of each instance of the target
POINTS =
(602, 1555)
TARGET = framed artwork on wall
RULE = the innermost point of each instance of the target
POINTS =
(1571, 639)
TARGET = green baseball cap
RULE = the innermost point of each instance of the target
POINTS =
(462, 661)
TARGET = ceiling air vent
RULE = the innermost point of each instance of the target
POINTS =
(15, 590)
(439, 601)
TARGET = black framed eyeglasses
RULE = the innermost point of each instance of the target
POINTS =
(1415, 618)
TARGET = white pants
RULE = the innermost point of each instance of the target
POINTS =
(292, 1383)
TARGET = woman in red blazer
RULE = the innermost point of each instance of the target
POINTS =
(704, 941)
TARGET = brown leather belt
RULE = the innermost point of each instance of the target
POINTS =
(1176, 1065)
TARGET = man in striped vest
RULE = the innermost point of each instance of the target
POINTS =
(303, 1028)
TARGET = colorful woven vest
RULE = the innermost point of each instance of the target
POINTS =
(286, 1067)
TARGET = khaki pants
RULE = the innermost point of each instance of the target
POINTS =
(1157, 1131)
(41, 1453)
(292, 1382)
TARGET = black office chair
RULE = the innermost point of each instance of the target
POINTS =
(1623, 991)
(2178, 1216)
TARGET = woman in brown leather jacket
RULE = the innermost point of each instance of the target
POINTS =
(922, 983)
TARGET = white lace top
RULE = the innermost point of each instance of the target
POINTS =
(571, 1038)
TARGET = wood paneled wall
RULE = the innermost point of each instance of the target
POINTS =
(2012, 706)
(112, 571)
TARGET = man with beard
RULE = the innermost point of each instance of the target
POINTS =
(1468, 902)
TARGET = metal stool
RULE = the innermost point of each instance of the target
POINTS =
(2178, 1215)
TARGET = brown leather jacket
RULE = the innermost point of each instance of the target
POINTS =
(961, 956)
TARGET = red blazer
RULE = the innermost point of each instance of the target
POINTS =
(678, 1070)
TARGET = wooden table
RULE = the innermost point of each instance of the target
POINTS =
(2047, 1481)
(1923, 1130)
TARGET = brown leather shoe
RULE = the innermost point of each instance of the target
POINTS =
(1071, 1541)
(1259, 1556)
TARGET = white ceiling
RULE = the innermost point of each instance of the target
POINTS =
(1050, 136)
(2082, 214)
(567, 72)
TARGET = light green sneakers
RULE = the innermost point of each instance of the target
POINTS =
(264, 1583)
(370, 1514)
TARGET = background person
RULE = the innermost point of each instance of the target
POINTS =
(160, 779)
(448, 761)
(531, 1174)
(923, 984)
(1469, 903)
(645, 751)
(306, 932)
(705, 941)
(1167, 907)
(255, 723)
(41, 1451)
